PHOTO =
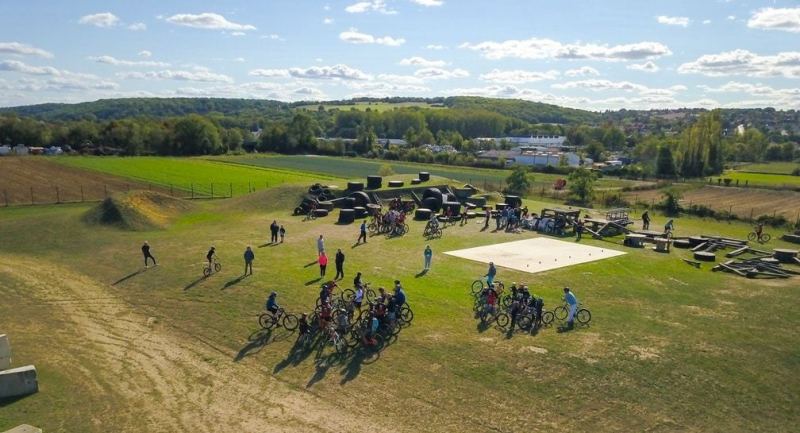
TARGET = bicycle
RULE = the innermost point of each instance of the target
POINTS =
(212, 267)
(432, 231)
(310, 215)
(762, 237)
(269, 320)
(582, 315)
(350, 294)
(478, 286)
(335, 339)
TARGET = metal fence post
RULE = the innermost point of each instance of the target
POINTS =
(82, 197)
(170, 190)
(212, 189)
(192, 191)
(230, 194)
(31, 195)
(5, 193)
(58, 196)
(105, 191)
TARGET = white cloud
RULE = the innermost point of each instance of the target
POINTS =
(673, 21)
(400, 79)
(238, 33)
(596, 85)
(23, 50)
(137, 27)
(423, 62)
(109, 60)
(583, 71)
(145, 53)
(518, 76)
(537, 48)
(336, 72)
(435, 47)
(367, 6)
(327, 20)
(731, 17)
(201, 75)
(353, 36)
(440, 74)
(647, 66)
(282, 92)
(209, 21)
(428, 3)
(239, 60)
(104, 20)
(706, 21)
(24, 68)
(743, 62)
(786, 19)
(273, 36)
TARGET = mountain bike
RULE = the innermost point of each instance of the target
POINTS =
(269, 320)
(582, 315)
(762, 237)
(212, 267)
(478, 286)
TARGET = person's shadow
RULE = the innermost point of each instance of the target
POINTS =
(256, 342)
(311, 264)
(194, 283)
(311, 282)
(421, 273)
(234, 282)
(129, 276)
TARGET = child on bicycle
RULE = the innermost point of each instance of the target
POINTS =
(272, 304)
(210, 256)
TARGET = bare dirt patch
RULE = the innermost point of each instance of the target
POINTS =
(165, 380)
(50, 182)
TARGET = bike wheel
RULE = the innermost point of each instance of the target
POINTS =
(370, 294)
(499, 286)
(217, 267)
(506, 301)
(560, 313)
(406, 315)
(477, 287)
(290, 322)
(266, 320)
(206, 271)
(340, 344)
(765, 238)
(525, 321)
(752, 236)
(348, 295)
(584, 316)
(548, 317)
(502, 320)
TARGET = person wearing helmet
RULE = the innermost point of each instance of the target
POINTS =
(302, 325)
(342, 322)
(399, 294)
(272, 304)
(210, 255)
(572, 303)
(490, 274)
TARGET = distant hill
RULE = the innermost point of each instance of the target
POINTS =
(110, 109)
(529, 111)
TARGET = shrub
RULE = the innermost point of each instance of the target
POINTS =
(385, 170)
(796, 172)
(671, 203)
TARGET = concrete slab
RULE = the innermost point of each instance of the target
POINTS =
(18, 382)
(5, 352)
(536, 255)
(24, 428)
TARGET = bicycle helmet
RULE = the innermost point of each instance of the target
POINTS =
(273, 294)
(566, 289)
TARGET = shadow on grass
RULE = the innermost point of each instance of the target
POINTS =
(315, 262)
(357, 244)
(234, 282)
(129, 276)
(266, 245)
(311, 282)
(421, 273)
(256, 342)
(194, 283)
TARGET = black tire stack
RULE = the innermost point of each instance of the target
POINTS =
(355, 186)
(360, 212)
(513, 201)
(422, 214)
(395, 183)
(424, 176)
(346, 216)
(360, 198)
(374, 182)
(453, 206)
(432, 199)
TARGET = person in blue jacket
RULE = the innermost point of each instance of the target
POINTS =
(572, 303)
(249, 256)
(490, 274)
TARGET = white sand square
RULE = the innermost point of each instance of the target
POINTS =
(536, 255)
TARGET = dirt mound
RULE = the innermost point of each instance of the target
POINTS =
(137, 210)
(282, 198)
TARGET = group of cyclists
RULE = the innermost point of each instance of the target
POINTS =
(392, 222)
(345, 316)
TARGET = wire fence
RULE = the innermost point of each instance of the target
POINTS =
(96, 192)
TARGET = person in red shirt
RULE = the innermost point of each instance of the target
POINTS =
(323, 263)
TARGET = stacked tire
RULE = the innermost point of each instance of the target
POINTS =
(453, 206)
(422, 214)
(395, 183)
(513, 201)
(360, 198)
(432, 199)
(346, 216)
(355, 186)
(424, 176)
(374, 182)
(360, 212)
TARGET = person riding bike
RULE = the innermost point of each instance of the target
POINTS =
(272, 304)
(759, 229)
(491, 300)
(399, 294)
(210, 256)
(358, 298)
(302, 325)
(490, 274)
(538, 305)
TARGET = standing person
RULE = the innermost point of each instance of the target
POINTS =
(320, 245)
(578, 230)
(645, 220)
(357, 283)
(282, 232)
(669, 227)
(362, 233)
(147, 255)
(428, 254)
(488, 217)
(323, 263)
(273, 229)
(498, 219)
(339, 264)
(249, 256)
(490, 274)
(572, 302)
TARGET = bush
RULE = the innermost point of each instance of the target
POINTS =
(385, 170)
(773, 220)
(671, 203)
(796, 172)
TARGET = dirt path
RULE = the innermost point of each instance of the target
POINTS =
(22, 177)
(167, 381)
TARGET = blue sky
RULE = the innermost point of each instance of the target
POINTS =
(587, 54)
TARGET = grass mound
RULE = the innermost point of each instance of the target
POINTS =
(282, 198)
(137, 210)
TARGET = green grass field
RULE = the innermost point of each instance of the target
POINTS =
(764, 179)
(671, 347)
(193, 173)
(359, 168)
(374, 106)
(770, 167)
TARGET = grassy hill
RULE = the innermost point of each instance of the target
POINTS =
(671, 347)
